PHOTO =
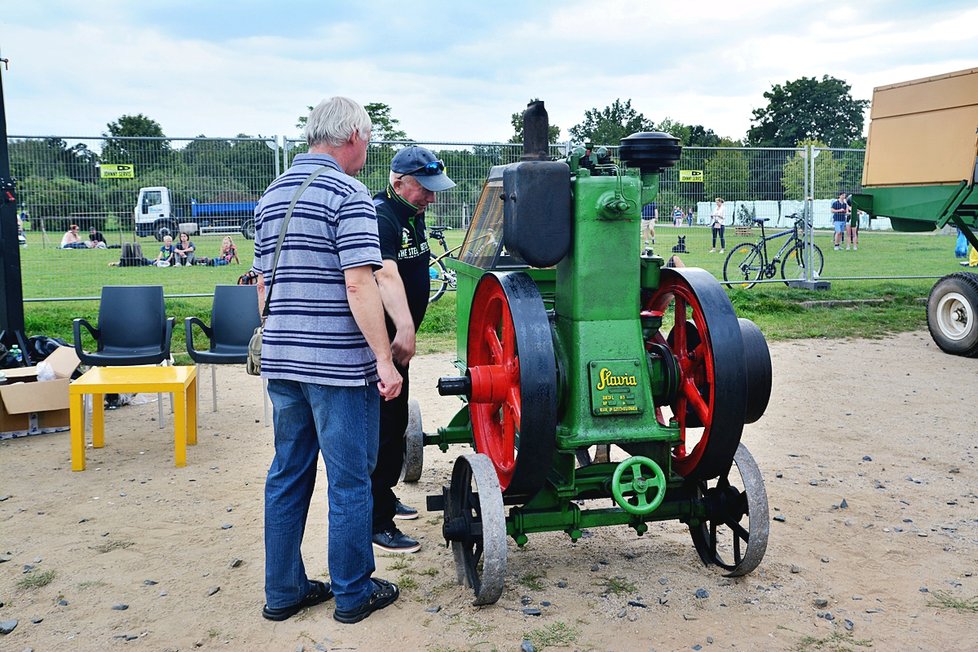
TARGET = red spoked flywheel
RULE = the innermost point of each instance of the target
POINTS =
(513, 373)
(705, 340)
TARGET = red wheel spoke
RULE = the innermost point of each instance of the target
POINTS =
(495, 347)
(509, 338)
(679, 328)
(516, 408)
(694, 400)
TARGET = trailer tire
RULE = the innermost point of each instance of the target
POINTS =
(952, 314)
(248, 229)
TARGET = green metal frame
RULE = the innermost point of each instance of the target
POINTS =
(924, 208)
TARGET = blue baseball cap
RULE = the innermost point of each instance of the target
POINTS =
(420, 163)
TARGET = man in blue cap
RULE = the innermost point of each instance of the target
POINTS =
(415, 176)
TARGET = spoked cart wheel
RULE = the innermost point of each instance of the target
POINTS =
(705, 340)
(476, 527)
(511, 366)
(413, 445)
(734, 534)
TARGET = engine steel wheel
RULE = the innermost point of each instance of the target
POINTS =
(512, 366)
(709, 351)
(952, 314)
(413, 445)
(758, 363)
(735, 533)
(476, 526)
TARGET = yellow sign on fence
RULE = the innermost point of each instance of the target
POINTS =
(691, 176)
(116, 171)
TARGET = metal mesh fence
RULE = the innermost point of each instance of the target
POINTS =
(130, 189)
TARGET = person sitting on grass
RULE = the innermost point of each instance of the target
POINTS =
(168, 253)
(184, 251)
(71, 239)
(96, 240)
(132, 256)
(229, 252)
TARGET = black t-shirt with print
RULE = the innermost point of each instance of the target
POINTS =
(403, 239)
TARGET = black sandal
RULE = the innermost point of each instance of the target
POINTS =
(384, 594)
(320, 592)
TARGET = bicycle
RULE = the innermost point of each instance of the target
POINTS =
(748, 262)
(442, 278)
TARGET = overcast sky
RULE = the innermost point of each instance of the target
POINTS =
(452, 71)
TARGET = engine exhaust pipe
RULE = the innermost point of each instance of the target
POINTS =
(536, 128)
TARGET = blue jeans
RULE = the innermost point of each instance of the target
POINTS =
(342, 424)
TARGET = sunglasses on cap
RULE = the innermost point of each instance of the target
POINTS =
(426, 170)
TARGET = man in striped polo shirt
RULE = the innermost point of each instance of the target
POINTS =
(327, 359)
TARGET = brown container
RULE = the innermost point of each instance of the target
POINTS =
(924, 132)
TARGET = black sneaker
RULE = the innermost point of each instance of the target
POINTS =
(320, 592)
(393, 540)
(404, 512)
(385, 593)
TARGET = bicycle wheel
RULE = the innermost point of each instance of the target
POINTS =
(744, 265)
(793, 265)
(439, 279)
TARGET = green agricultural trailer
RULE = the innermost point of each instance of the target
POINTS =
(920, 171)
(599, 386)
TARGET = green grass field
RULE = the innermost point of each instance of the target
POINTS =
(782, 313)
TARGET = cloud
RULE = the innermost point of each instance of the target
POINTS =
(452, 71)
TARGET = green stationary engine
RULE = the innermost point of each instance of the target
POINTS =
(572, 340)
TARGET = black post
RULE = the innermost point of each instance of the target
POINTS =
(12, 308)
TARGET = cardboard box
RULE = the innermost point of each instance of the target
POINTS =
(29, 407)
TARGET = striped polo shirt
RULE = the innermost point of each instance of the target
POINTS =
(310, 335)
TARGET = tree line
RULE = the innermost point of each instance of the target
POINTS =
(62, 181)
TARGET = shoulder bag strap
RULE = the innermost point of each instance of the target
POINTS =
(281, 234)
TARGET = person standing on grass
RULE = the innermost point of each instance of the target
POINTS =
(840, 217)
(650, 214)
(718, 221)
(415, 176)
(328, 363)
(852, 229)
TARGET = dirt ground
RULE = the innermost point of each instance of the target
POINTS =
(868, 453)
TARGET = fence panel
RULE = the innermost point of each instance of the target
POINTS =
(95, 183)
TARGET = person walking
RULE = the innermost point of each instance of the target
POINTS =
(328, 363)
(718, 220)
(415, 176)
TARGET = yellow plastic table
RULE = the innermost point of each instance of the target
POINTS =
(179, 381)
